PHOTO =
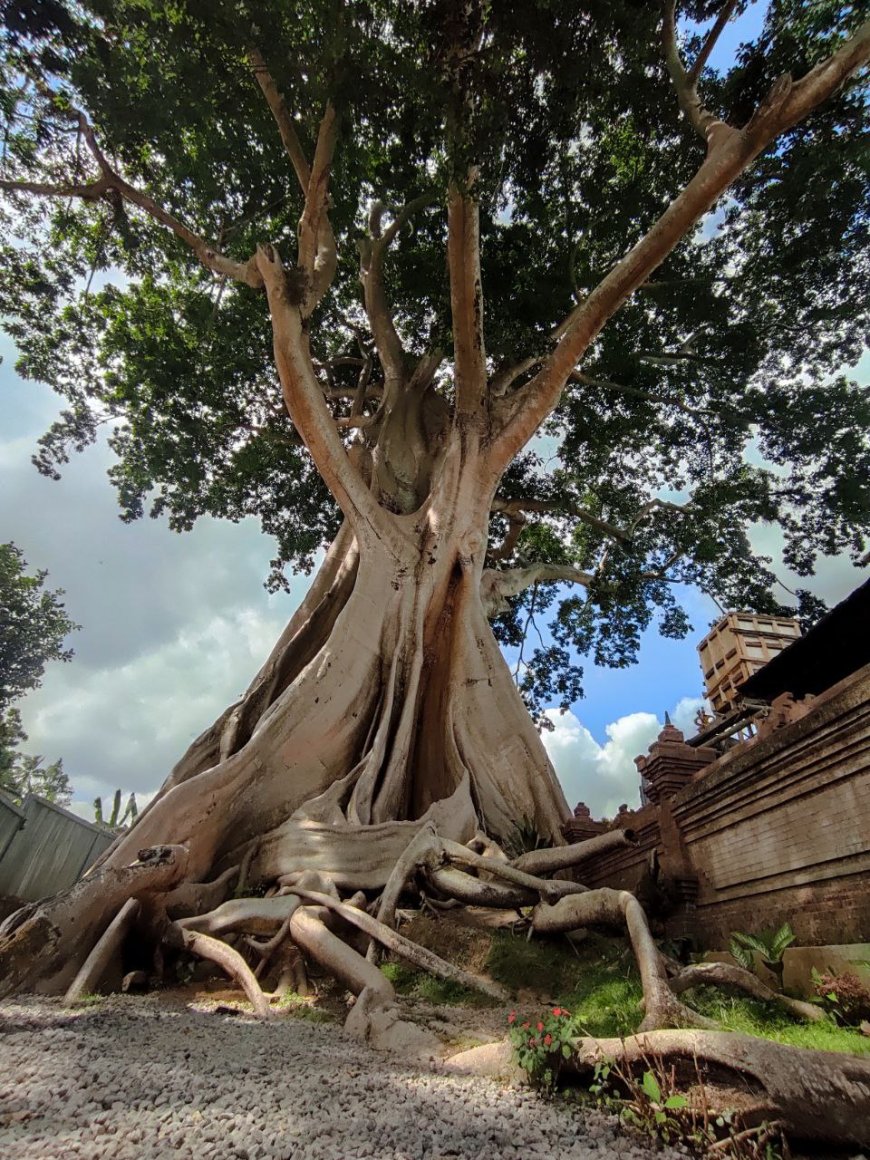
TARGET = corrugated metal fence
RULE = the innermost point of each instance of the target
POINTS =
(45, 848)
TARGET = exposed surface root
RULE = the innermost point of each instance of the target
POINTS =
(425, 959)
(226, 957)
(617, 908)
(551, 860)
(726, 975)
(107, 948)
(817, 1095)
(251, 915)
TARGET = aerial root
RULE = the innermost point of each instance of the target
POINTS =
(104, 952)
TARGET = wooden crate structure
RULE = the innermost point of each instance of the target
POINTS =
(736, 647)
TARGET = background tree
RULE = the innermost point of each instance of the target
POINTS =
(511, 354)
(27, 774)
(33, 629)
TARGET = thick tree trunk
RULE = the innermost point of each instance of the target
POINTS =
(385, 702)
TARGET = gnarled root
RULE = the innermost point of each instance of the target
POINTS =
(425, 959)
(617, 908)
(817, 1095)
(106, 949)
(429, 854)
(726, 975)
(226, 957)
(56, 935)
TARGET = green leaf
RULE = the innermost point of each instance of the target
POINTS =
(676, 1101)
(650, 1086)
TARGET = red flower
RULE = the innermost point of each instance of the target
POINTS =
(548, 1039)
(512, 1018)
(558, 1011)
(540, 1026)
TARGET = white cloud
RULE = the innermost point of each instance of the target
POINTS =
(605, 776)
(125, 725)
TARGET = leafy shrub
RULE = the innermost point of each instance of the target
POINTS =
(770, 946)
(542, 1045)
(844, 995)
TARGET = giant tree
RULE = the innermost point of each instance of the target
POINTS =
(436, 287)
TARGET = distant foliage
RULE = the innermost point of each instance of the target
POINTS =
(33, 630)
(116, 820)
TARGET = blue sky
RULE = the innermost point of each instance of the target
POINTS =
(173, 627)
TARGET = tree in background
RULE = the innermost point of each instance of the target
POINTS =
(27, 774)
(33, 628)
(434, 286)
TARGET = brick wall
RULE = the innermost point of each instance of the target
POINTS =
(775, 830)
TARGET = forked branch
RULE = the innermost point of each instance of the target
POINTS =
(111, 181)
(686, 83)
(317, 252)
(728, 156)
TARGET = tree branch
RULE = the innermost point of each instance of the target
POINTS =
(547, 507)
(504, 379)
(317, 251)
(685, 84)
(310, 414)
(516, 522)
(275, 100)
(496, 586)
(466, 299)
(727, 157)
(710, 42)
(110, 180)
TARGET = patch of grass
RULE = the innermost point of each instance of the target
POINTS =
(766, 1020)
(90, 999)
(303, 1007)
(600, 988)
(419, 984)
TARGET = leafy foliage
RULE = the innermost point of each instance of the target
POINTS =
(770, 945)
(721, 386)
(33, 629)
(33, 626)
(24, 774)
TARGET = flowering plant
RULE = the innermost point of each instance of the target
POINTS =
(541, 1045)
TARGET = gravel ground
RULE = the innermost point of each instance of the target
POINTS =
(140, 1078)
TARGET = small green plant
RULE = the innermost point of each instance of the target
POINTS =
(654, 1111)
(653, 1105)
(302, 1007)
(769, 945)
(843, 995)
(523, 838)
(542, 1045)
(90, 999)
